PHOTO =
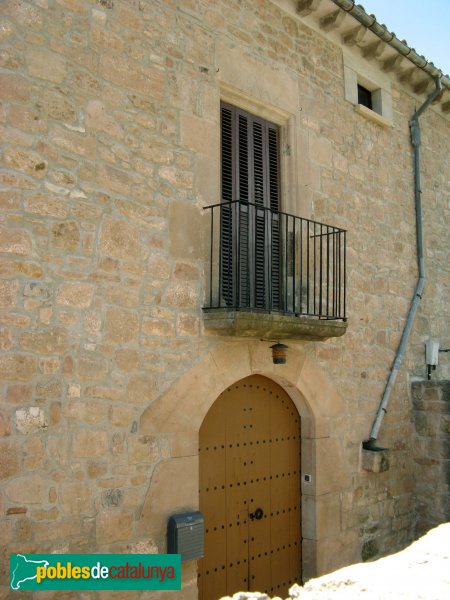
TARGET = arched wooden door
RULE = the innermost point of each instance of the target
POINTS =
(250, 491)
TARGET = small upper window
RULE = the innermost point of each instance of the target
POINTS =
(364, 96)
(368, 89)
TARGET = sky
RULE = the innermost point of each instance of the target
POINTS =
(424, 24)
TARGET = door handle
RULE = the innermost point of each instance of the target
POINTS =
(258, 514)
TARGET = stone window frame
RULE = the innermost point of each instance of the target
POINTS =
(358, 72)
(287, 124)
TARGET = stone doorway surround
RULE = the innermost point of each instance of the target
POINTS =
(178, 414)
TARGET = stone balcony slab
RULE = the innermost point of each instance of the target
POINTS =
(255, 324)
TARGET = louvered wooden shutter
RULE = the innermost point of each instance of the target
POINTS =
(226, 222)
(274, 203)
(250, 232)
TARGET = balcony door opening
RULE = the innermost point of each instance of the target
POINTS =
(261, 258)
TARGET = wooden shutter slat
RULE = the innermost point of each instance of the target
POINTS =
(274, 203)
(258, 164)
(226, 220)
(242, 149)
(274, 180)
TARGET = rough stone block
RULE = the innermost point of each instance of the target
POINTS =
(46, 205)
(46, 65)
(148, 81)
(53, 340)
(113, 497)
(30, 420)
(19, 394)
(120, 240)
(6, 340)
(29, 489)
(187, 232)
(121, 416)
(89, 443)
(66, 235)
(147, 546)
(127, 359)
(96, 470)
(15, 241)
(91, 368)
(50, 388)
(57, 107)
(121, 326)
(19, 367)
(33, 453)
(8, 293)
(375, 461)
(14, 87)
(97, 118)
(187, 326)
(157, 327)
(5, 425)
(77, 295)
(177, 177)
(72, 141)
(143, 449)
(114, 526)
(88, 412)
(75, 498)
(9, 200)
(9, 458)
(182, 295)
(114, 179)
(141, 389)
(121, 296)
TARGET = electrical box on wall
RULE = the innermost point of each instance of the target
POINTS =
(431, 356)
(185, 535)
(432, 352)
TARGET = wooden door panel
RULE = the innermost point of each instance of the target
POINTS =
(281, 573)
(237, 556)
(250, 459)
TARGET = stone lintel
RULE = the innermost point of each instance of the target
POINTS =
(270, 325)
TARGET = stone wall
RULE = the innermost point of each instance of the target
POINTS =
(109, 117)
(431, 452)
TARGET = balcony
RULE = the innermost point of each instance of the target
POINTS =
(274, 275)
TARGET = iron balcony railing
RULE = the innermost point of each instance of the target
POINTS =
(271, 261)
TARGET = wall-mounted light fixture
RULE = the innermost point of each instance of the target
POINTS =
(279, 353)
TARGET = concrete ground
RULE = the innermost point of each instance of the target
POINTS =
(419, 572)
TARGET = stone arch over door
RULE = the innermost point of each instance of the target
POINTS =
(177, 415)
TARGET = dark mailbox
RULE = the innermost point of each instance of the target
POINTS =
(185, 535)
